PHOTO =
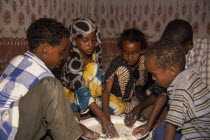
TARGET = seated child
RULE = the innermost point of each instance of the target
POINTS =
(189, 97)
(179, 31)
(125, 73)
(81, 74)
(33, 103)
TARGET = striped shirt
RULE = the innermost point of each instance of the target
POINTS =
(189, 100)
(22, 73)
(200, 55)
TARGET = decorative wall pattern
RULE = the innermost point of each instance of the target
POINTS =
(112, 16)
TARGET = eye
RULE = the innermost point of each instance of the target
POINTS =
(85, 40)
(94, 40)
(125, 52)
(135, 52)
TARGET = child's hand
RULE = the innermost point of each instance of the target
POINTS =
(87, 133)
(131, 117)
(143, 129)
(91, 135)
(109, 130)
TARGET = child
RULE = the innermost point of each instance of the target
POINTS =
(126, 72)
(33, 102)
(188, 96)
(81, 73)
(179, 31)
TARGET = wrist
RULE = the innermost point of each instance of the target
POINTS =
(149, 124)
(104, 120)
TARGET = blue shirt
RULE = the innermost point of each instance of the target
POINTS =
(22, 73)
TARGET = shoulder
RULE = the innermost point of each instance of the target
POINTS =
(187, 82)
(73, 61)
(117, 61)
(73, 56)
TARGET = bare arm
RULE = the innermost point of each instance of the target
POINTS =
(96, 110)
(133, 115)
(107, 125)
(160, 102)
(170, 131)
(106, 97)
(147, 102)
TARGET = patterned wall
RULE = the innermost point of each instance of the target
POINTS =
(112, 16)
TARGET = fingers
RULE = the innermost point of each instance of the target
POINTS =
(111, 132)
(140, 130)
(91, 135)
(130, 120)
(137, 130)
(103, 131)
(95, 135)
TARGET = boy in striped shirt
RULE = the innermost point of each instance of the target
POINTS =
(189, 97)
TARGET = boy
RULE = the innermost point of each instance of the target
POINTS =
(179, 31)
(189, 97)
(33, 103)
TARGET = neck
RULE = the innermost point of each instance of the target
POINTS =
(84, 56)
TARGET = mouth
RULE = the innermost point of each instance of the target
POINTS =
(131, 62)
(90, 51)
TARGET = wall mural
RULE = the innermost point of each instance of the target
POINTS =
(112, 16)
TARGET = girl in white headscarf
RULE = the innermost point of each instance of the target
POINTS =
(81, 74)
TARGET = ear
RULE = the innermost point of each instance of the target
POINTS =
(189, 45)
(172, 70)
(46, 48)
(74, 41)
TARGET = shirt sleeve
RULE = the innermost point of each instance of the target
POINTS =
(178, 110)
(111, 70)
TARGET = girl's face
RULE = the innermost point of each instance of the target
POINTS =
(131, 52)
(86, 44)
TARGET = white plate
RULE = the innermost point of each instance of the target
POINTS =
(115, 119)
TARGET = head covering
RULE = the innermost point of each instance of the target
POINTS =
(82, 27)
(72, 74)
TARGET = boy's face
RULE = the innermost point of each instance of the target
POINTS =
(162, 77)
(86, 44)
(54, 55)
(131, 52)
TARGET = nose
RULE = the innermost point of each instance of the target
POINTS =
(90, 44)
(153, 78)
(130, 57)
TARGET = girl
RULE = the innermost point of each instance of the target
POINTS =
(81, 74)
(125, 74)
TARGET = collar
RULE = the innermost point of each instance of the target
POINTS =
(38, 61)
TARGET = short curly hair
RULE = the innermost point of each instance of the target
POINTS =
(46, 30)
(133, 35)
(178, 30)
(167, 53)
